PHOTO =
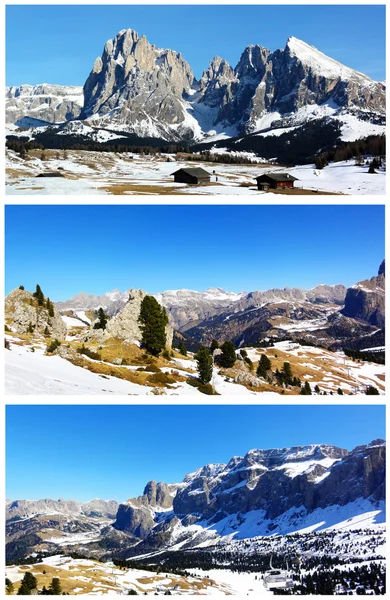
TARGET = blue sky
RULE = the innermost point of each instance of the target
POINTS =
(59, 43)
(111, 452)
(98, 248)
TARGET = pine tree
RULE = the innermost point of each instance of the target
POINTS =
(287, 372)
(340, 392)
(371, 391)
(317, 389)
(306, 390)
(228, 356)
(213, 346)
(153, 319)
(55, 587)
(182, 349)
(205, 364)
(38, 294)
(29, 582)
(264, 366)
(102, 319)
(50, 307)
(9, 586)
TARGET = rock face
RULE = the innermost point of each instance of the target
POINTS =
(273, 481)
(136, 515)
(366, 299)
(142, 84)
(22, 310)
(125, 323)
(50, 103)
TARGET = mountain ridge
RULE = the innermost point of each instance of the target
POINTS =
(152, 92)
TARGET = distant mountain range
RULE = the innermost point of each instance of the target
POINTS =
(328, 315)
(138, 89)
(264, 493)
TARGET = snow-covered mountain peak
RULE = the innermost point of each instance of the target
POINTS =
(210, 471)
(318, 62)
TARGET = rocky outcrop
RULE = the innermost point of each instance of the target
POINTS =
(366, 299)
(124, 325)
(50, 103)
(24, 315)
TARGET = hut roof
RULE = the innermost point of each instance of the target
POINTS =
(278, 176)
(194, 171)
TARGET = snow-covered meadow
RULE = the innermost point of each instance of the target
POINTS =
(29, 371)
(110, 173)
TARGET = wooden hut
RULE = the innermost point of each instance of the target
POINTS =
(192, 176)
(275, 181)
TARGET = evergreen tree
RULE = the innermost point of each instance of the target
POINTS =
(306, 390)
(153, 319)
(371, 391)
(55, 587)
(340, 392)
(21, 287)
(205, 364)
(264, 366)
(182, 349)
(50, 307)
(38, 294)
(29, 583)
(30, 328)
(9, 586)
(228, 356)
(102, 319)
(317, 389)
(287, 372)
(213, 346)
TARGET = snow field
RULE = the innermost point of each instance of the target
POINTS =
(87, 173)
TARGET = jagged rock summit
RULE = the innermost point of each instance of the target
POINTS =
(136, 85)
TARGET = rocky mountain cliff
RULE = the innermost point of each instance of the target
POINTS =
(45, 102)
(150, 92)
(219, 498)
(366, 299)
